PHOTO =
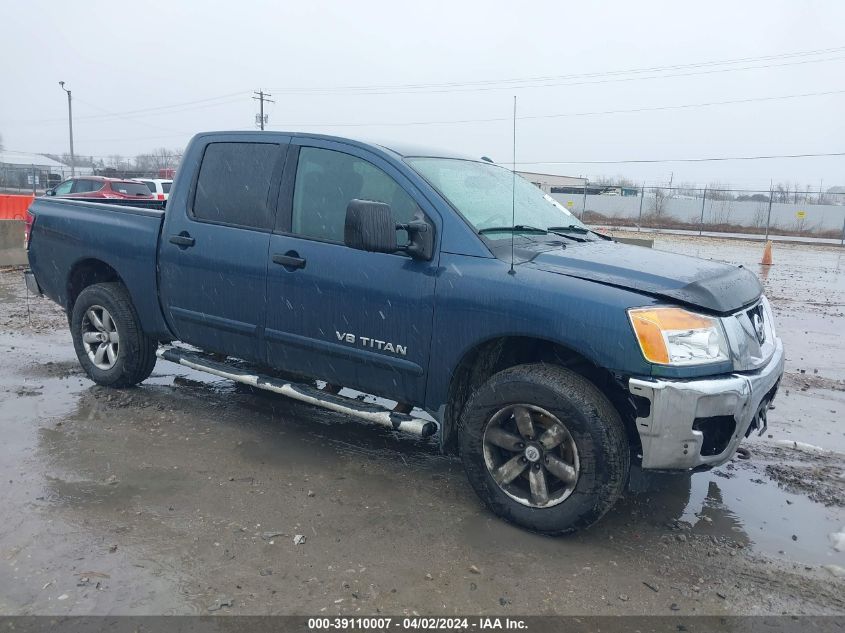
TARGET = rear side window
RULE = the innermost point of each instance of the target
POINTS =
(233, 186)
(165, 187)
(150, 185)
(130, 188)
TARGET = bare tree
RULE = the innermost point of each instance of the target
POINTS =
(115, 161)
(688, 189)
(157, 159)
(164, 158)
(781, 192)
(761, 211)
(606, 181)
(145, 162)
(719, 191)
(721, 210)
(658, 201)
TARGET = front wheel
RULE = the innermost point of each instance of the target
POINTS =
(110, 344)
(544, 448)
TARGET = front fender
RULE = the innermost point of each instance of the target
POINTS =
(478, 301)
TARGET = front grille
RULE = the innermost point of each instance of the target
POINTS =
(757, 318)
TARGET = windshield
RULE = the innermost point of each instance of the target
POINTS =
(482, 193)
(130, 188)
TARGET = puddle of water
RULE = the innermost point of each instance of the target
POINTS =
(744, 506)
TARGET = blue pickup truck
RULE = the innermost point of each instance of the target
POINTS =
(550, 357)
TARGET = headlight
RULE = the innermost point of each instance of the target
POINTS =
(674, 336)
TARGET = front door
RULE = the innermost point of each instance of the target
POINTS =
(213, 258)
(350, 317)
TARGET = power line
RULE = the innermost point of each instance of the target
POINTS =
(509, 84)
(674, 160)
(181, 108)
(498, 119)
(125, 117)
(573, 114)
(823, 51)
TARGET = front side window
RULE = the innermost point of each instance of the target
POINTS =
(489, 197)
(64, 188)
(233, 186)
(326, 181)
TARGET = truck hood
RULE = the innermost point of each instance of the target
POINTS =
(697, 282)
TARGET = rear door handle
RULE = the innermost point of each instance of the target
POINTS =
(288, 261)
(183, 239)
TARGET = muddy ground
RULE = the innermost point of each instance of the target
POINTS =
(185, 495)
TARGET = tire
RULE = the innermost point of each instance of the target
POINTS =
(594, 452)
(132, 358)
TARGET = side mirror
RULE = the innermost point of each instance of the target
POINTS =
(420, 237)
(370, 227)
(50, 192)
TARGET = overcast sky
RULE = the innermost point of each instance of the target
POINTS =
(151, 74)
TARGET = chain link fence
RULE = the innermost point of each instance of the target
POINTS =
(32, 179)
(797, 214)
(35, 179)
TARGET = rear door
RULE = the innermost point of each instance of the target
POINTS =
(352, 318)
(213, 255)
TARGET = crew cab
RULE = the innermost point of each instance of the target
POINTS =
(548, 356)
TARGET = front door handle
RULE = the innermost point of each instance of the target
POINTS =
(182, 240)
(289, 260)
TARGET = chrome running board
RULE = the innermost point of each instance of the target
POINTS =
(304, 393)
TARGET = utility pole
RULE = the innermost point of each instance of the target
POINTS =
(70, 129)
(640, 216)
(261, 98)
(769, 214)
(584, 207)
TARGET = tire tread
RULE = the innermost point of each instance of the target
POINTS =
(604, 419)
(139, 349)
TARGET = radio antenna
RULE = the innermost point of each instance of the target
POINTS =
(513, 189)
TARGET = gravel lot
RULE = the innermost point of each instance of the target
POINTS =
(192, 495)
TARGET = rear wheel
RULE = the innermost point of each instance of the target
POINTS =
(109, 342)
(544, 448)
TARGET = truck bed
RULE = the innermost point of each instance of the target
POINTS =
(69, 236)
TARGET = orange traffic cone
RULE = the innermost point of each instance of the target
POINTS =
(767, 254)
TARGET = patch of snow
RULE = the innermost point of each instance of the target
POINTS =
(801, 446)
(838, 540)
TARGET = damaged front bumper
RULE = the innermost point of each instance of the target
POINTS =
(700, 423)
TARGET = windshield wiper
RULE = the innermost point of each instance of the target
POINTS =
(577, 228)
(566, 231)
(521, 228)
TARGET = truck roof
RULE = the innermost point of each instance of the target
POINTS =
(397, 148)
